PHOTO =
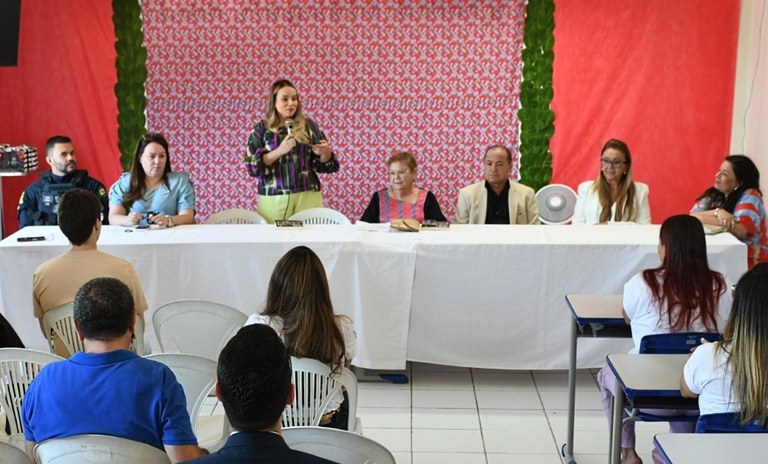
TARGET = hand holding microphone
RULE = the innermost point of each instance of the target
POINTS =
(286, 146)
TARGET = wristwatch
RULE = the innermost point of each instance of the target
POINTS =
(170, 221)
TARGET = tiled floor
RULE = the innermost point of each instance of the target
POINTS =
(466, 416)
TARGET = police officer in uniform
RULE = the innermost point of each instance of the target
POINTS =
(39, 203)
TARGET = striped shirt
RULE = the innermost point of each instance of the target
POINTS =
(749, 212)
(294, 172)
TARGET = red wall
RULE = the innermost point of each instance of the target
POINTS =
(657, 74)
(63, 85)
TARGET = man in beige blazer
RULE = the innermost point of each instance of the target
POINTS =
(497, 200)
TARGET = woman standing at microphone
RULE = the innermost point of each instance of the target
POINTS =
(286, 150)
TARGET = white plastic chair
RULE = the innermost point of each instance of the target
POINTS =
(59, 321)
(236, 216)
(337, 445)
(18, 367)
(10, 454)
(196, 327)
(197, 376)
(315, 387)
(86, 449)
(321, 216)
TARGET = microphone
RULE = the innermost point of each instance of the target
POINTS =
(289, 125)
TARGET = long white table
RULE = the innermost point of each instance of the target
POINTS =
(479, 296)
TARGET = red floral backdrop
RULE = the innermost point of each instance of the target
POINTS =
(439, 79)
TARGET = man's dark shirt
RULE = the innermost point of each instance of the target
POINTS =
(497, 211)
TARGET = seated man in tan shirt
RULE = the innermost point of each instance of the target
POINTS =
(497, 200)
(57, 280)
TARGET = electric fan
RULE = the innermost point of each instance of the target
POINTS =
(556, 203)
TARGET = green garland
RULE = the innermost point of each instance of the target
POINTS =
(536, 116)
(131, 75)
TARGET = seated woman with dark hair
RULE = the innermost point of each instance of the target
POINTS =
(736, 204)
(402, 199)
(681, 295)
(151, 193)
(299, 309)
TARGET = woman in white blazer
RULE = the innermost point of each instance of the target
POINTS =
(613, 196)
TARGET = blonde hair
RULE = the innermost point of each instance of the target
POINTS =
(300, 131)
(745, 340)
(625, 202)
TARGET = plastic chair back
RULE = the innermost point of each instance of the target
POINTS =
(9, 454)
(18, 367)
(315, 387)
(337, 445)
(196, 327)
(197, 376)
(87, 449)
(236, 216)
(727, 422)
(675, 343)
(321, 216)
(59, 321)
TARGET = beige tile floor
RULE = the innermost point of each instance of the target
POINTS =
(466, 416)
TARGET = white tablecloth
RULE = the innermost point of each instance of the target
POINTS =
(480, 296)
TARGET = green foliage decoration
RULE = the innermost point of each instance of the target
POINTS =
(131, 66)
(536, 116)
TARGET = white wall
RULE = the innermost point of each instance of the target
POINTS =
(750, 106)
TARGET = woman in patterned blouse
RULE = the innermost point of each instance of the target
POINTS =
(735, 203)
(402, 198)
(286, 150)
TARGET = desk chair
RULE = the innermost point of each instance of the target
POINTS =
(18, 367)
(87, 449)
(669, 343)
(337, 445)
(727, 422)
(10, 454)
(321, 216)
(197, 376)
(196, 327)
(315, 386)
(675, 343)
(236, 216)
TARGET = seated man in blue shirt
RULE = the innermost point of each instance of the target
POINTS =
(254, 385)
(107, 389)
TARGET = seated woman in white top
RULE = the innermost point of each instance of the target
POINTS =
(613, 196)
(681, 295)
(732, 375)
(299, 309)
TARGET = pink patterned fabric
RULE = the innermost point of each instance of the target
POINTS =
(438, 79)
(391, 208)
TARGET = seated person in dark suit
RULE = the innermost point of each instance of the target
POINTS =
(254, 385)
